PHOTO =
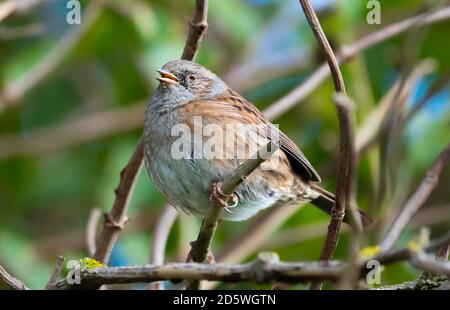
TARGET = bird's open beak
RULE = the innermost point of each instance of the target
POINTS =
(167, 77)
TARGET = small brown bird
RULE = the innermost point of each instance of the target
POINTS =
(197, 131)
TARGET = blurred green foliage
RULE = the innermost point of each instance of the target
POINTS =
(45, 198)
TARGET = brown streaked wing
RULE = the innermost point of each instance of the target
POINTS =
(298, 161)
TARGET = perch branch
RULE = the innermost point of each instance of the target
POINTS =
(416, 200)
(201, 247)
(129, 174)
(264, 269)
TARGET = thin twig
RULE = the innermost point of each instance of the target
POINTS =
(417, 199)
(55, 274)
(321, 38)
(347, 129)
(346, 156)
(10, 281)
(117, 218)
(91, 230)
(197, 28)
(202, 246)
(129, 174)
(159, 240)
(348, 52)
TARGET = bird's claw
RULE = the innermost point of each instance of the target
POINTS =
(218, 197)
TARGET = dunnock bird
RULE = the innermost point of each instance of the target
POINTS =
(191, 98)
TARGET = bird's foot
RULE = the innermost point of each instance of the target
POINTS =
(221, 199)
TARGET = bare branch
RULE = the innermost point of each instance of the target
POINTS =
(346, 153)
(347, 129)
(416, 200)
(117, 218)
(349, 51)
(10, 281)
(197, 28)
(264, 269)
(55, 275)
(325, 45)
(159, 240)
(202, 246)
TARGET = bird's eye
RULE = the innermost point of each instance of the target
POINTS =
(191, 77)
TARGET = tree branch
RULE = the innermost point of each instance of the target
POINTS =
(201, 247)
(197, 28)
(55, 275)
(117, 217)
(264, 269)
(346, 152)
(416, 200)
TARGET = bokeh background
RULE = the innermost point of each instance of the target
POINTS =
(76, 95)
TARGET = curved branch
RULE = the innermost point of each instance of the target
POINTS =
(344, 187)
